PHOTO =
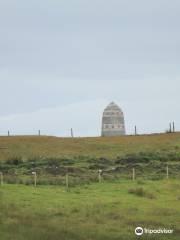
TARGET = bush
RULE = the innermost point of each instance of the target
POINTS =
(148, 157)
(28, 182)
(140, 182)
(14, 161)
(137, 191)
(140, 192)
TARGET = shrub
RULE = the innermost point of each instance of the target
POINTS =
(137, 191)
(140, 192)
(29, 182)
(140, 182)
(148, 157)
(14, 161)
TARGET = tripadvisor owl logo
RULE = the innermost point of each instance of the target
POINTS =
(139, 231)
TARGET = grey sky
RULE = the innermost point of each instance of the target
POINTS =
(62, 62)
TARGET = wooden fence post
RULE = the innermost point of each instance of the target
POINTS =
(133, 177)
(67, 182)
(173, 127)
(35, 178)
(135, 130)
(1, 176)
(72, 133)
(100, 176)
(170, 128)
(167, 172)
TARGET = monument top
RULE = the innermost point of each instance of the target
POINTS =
(113, 121)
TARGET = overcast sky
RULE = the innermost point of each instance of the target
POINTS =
(62, 62)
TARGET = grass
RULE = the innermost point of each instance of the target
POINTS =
(53, 157)
(110, 210)
(107, 147)
(107, 211)
(141, 193)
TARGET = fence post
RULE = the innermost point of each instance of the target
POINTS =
(135, 130)
(170, 128)
(173, 127)
(100, 176)
(167, 172)
(72, 133)
(67, 182)
(1, 176)
(35, 178)
(133, 174)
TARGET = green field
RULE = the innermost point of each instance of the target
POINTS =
(81, 158)
(89, 210)
(104, 211)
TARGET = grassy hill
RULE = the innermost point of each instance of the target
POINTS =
(109, 147)
(53, 157)
(109, 210)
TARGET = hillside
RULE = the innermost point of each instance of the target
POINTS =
(88, 207)
(109, 147)
(81, 158)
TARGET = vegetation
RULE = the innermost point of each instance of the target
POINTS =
(107, 147)
(102, 211)
(109, 210)
(52, 158)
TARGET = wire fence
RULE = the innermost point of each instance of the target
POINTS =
(74, 179)
(172, 127)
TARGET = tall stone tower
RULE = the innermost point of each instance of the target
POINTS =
(113, 121)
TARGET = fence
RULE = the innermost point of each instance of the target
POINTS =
(74, 179)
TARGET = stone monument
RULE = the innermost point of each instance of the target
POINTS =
(113, 121)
